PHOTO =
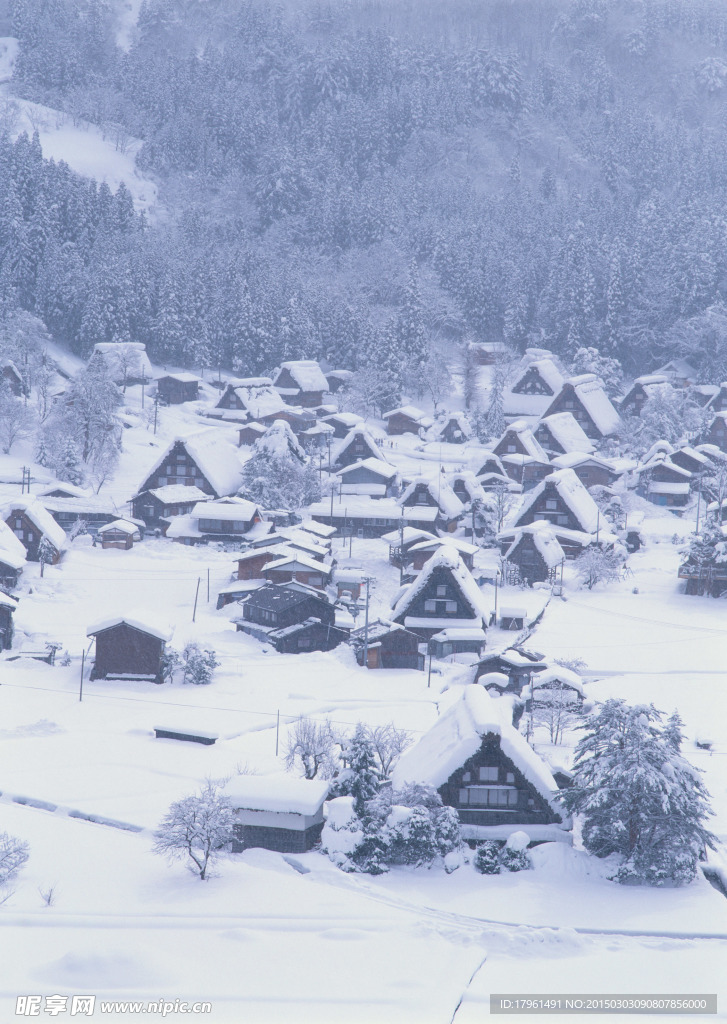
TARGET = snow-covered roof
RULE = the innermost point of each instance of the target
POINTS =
(218, 460)
(432, 543)
(568, 432)
(572, 493)
(597, 404)
(283, 793)
(40, 517)
(358, 507)
(406, 536)
(498, 679)
(297, 560)
(569, 460)
(183, 378)
(458, 735)
(460, 422)
(176, 494)
(229, 511)
(546, 369)
(558, 674)
(545, 541)
(677, 368)
(342, 444)
(12, 552)
(439, 491)
(318, 529)
(373, 465)
(346, 419)
(124, 359)
(472, 485)
(446, 558)
(466, 633)
(410, 412)
(306, 373)
(527, 439)
(63, 490)
(670, 487)
(122, 525)
(513, 612)
(137, 620)
(258, 396)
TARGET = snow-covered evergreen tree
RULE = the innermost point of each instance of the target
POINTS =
(277, 474)
(638, 796)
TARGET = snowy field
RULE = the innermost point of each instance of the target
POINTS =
(268, 939)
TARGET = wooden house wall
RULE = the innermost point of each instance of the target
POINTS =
(561, 515)
(6, 628)
(529, 561)
(8, 576)
(308, 607)
(307, 576)
(594, 476)
(251, 568)
(122, 650)
(399, 424)
(29, 535)
(356, 450)
(318, 636)
(530, 809)
(568, 401)
(531, 383)
(179, 468)
(174, 392)
(229, 399)
(420, 607)
(509, 444)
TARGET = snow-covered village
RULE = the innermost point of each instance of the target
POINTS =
(363, 510)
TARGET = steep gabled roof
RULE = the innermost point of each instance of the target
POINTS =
(545, 540)
(411, 412)
(218, 460)
(446, 558)
(457, 735)
(373, 465)
(460, 421)
(12, 552)
(571, 492)
(567, 431)
(440, 492)
(306, 373)
(592, 396)
(527, 438)
(339, 447)
(39, 517)
(257, 396)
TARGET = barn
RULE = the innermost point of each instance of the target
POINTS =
(176, 388)
(129, 647)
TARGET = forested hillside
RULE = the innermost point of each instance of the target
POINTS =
(354, 180)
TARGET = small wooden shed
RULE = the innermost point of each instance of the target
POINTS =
(176, 388)
(276, 812)
(129, 647)
(119, 534)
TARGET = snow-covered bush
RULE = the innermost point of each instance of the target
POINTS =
(198, 665)
(411, 827)
(487, 858)
(594, 565)
(514, 855)
(13, 855)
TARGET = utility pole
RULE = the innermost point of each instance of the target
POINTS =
(156, 410)
(328, 442)
(366, 624)
(429, 674)
(497, 577)
(196, 595)
(699, 500)
(401, 548)
(277, 732)
(83, 662)
(208, 586)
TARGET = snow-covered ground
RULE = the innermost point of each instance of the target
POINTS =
(106, 155)
(269, 938)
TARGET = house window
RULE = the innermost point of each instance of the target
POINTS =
(304, 643)
(488, 774)
(442, 591)
(467, 777)
(148, 511)
(512, 448)
(31, 536)
(510, 779)
(562, 520)
(569, 403)
(488, 796)
(162, 481)
(18, 524)
(551, 504)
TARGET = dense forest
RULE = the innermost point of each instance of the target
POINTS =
(362, 181)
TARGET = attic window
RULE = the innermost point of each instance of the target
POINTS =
(488, 796)
(488, 774)
(551, 504)
(510, 779)
(512, 448)
(467, 777)
(442, 590)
